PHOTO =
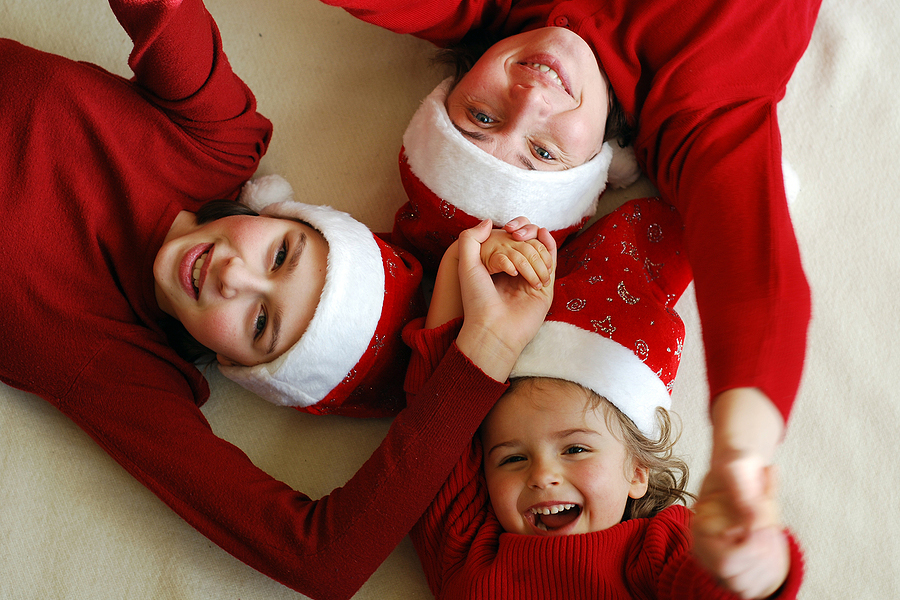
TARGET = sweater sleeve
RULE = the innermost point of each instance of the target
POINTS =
(181, 68)
(722, 169)
(663, 565)
(439, 22)
(145, 419)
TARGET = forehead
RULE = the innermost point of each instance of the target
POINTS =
(537, 404)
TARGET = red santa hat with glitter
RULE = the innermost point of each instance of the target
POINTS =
(351, 359)
(452, 184)
(611, 327)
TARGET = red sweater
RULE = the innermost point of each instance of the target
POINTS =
(702, 81)
(466, 554)
(94, 168)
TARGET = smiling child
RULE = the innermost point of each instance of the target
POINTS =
(569, 490)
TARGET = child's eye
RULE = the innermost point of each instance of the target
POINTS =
(481, 117)
(281, 255)
(260, 325)
(575, 450)
(511, 459)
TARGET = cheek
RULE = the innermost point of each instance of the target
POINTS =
(215, 329)
(504, 490)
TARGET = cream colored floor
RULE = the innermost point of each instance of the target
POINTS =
(74, 525)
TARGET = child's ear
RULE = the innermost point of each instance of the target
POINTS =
(640, 479)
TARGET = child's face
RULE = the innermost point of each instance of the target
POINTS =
(545, 452)
(245, 287)
(536, 100)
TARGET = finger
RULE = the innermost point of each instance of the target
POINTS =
(549, 242)
(524, 233)
(516, 223)
(527, 272)
(500, 263)
(540, 260)
(545, 257)
(470, 242)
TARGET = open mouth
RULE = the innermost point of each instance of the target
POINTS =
(553, 75)
(553, 517)
(548, 69)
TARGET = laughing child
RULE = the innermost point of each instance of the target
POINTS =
(570, 488)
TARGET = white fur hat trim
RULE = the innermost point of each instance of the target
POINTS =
(564, 351)
(344, 320)
(484, 186)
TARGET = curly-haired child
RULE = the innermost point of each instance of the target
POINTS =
(571, 489)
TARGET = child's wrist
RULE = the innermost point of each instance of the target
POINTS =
(745, 424)
(487, 350)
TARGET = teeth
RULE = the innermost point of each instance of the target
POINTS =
(198, 266)
(552, 510)
(545, 69)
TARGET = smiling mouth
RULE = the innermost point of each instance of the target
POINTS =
(554, 76)
(197, 270)
(553, 517)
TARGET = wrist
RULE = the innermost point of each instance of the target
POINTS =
(745, 423)
(487, 350)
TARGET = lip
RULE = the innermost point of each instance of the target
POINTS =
(186, 269)
(565, 530)
(553, 63)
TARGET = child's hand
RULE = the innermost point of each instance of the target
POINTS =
(501, 253)
(737, 532)
(501, 313)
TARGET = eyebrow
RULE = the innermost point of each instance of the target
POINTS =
(559, 435)
(291, 267)
(482, 137)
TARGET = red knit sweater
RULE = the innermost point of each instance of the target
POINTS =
(94, 168)
(466, 554)
(702, 81)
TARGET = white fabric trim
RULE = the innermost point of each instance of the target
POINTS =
(344, 321)
(483, 186)
(565, 351)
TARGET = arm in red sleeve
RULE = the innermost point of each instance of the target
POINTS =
(722, 170)
(663, 562)
(146, 420)
(179, 63)
(439, 22)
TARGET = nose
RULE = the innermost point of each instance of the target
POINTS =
(235, 277)
(543, 474)
(529, 101)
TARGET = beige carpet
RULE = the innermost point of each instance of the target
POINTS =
(74, 525)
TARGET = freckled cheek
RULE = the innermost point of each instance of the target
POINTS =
(217, 330)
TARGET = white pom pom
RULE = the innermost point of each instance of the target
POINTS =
(260, 192)
(624, 169)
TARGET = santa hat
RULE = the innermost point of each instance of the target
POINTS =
(452, 184)
(350, 360)
(611, 327)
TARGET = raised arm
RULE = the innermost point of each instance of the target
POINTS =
(179, 63)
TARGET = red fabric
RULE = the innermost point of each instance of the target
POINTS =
(374, 387)
(466, 554)
(94, 168)
(702, 81)
(426, 225)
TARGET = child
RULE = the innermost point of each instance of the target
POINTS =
(349, 359)
(580, 444)
(107, 232)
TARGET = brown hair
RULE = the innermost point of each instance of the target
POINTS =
(667, 474)
(462, 56)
